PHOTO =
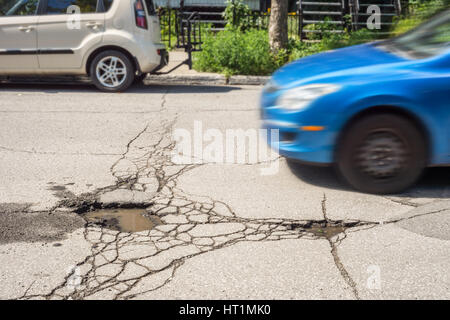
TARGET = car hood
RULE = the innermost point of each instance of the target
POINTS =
(333, 61)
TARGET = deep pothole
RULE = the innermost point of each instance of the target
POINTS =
(123, 219)
(324, 229)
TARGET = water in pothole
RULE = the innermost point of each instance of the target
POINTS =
(326, 231)
(124, 220)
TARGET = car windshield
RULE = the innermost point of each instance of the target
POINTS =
(430, 39)
(18, 7)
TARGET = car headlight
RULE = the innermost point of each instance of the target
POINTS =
(271, 87)
(299, 98)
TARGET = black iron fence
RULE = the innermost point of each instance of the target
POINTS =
(171, 21)
(311, 20)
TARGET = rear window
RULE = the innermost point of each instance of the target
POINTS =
(150, 7)
(61, 6)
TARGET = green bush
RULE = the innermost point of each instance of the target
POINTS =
(238, 15)
(360, 36)
(303, 49)
(330, 42)
(234, 52)
(323, 29)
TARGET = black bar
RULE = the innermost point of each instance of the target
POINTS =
(32, 51)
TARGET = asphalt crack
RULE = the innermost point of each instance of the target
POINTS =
(128, 265)
(125, 265)
(334, 241)
(403, 202)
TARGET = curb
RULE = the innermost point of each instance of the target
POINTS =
(195, 79)
(210, 79)
(216, 79)
(249, 80)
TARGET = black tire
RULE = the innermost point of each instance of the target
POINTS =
(123, 83)
(382, 154)
(140, 78)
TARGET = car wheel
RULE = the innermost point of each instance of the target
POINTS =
(112, 71)
(381, 154)
(140, 78)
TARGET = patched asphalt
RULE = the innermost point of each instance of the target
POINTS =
(18, 224)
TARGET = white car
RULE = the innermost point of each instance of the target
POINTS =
(115, 42)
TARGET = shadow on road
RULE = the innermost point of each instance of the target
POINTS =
(85, 87)
(435, 183)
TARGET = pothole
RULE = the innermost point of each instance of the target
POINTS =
(324, 229)
(123, 220)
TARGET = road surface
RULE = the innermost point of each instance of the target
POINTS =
(220, 230)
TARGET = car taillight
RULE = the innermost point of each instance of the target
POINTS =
(141, 17)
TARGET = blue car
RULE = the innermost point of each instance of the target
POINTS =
(379, 112)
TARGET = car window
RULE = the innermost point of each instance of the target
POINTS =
(429, 39)
(107, 4)
(60, 6)
(18, 7)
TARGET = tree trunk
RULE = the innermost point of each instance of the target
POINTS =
(278, 26)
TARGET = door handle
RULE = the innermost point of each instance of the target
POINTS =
(93, 25)
(26, 28)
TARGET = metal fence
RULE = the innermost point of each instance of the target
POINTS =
(170, 24)
(307, 23)
(253, 4)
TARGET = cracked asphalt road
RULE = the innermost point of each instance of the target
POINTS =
(227, 231)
